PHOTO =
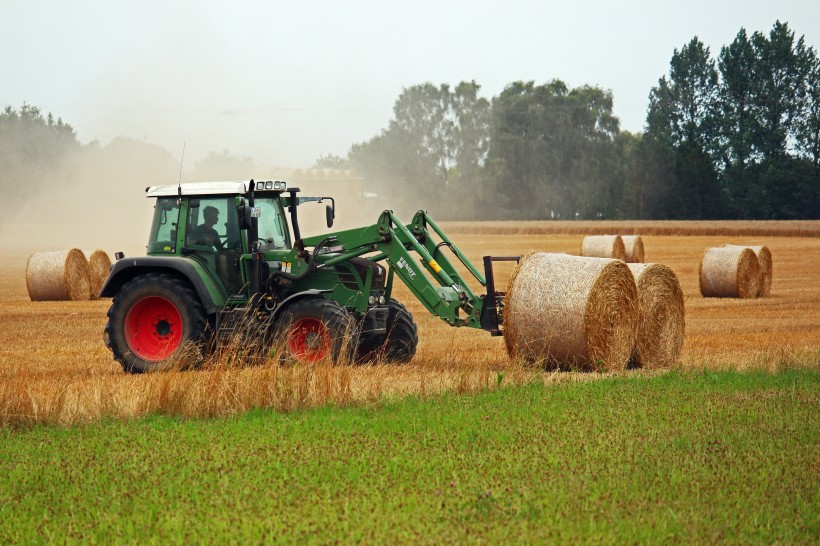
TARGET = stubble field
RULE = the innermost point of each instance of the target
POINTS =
(55, 368)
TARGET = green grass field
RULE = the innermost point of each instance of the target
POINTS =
(683, 457)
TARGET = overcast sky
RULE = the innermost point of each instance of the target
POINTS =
(286, 82)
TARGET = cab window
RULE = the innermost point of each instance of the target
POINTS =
(163, 235)
(212, 223)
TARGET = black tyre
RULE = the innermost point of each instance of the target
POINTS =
(151, 318)
(312, 330)
(398, 346)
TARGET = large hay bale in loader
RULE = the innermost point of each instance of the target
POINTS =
(661, 318)
(571, 312)
(58, 276)
(727, 272)
(99, 264)
(764, 261)
(604, 246)
(633, 247)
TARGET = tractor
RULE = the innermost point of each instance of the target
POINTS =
(221, 252)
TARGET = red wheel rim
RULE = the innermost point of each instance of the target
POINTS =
(309, 340)
(153, 328)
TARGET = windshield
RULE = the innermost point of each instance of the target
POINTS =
(273, 231)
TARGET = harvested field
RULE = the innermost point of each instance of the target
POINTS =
(767, 228)
(54, 366)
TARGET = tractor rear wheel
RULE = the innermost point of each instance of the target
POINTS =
(313, 330)
(398, 346)
(150, 319)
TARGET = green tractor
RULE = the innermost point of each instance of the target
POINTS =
(221, 252)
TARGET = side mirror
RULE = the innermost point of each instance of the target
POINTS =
(330, 214)
(244, 214)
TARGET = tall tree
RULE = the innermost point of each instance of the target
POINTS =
(808, 126)
(471, 129)
(683, 117)
(738, 90)
(783, 66)
(550, 150)
(433, 150)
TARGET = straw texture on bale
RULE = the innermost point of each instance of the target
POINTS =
(571, 312)
(99, 264)
(661, 319)
(764, 261)
(633, 247)
(729, 272)
(58, 276)
(603, 246)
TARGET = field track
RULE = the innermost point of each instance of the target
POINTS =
(55, 368)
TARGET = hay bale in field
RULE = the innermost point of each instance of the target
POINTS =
(571, 312)
(661, 319)
(603, 246)
(99, 264)
(764, 261)
(633, 247)
(58, 276)
(727, 272)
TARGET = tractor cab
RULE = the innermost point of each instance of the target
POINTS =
(210, 223)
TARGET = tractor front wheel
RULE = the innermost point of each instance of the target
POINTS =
(150, 319)
(313, 330)
(398, 346)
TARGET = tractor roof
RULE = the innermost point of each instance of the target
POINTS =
(213, 188)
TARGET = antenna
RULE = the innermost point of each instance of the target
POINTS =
(179, 184)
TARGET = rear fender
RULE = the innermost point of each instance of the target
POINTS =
(126, 269)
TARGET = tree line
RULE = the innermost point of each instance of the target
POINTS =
(731, 137)
(737, 137)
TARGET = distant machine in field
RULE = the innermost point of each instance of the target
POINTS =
(58, 276)
(729, 272)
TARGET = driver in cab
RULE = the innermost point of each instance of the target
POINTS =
(204, 233)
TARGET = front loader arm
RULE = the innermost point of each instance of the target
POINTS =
(408, 251)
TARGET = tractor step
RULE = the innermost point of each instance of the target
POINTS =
(228, 320)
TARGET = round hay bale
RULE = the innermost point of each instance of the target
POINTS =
(603, 246)
(729, 272)
(764, 261)
(99, 264)
(58, 276)
(571, 312)
(661, 319)
(633, 247)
